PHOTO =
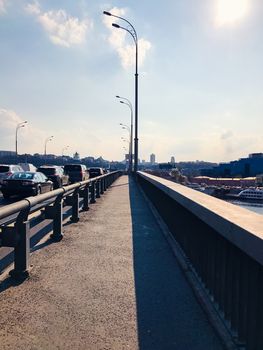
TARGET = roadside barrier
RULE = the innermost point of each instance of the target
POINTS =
(15, 224)
(222, 245)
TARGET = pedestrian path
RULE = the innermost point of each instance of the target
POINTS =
(111, 283)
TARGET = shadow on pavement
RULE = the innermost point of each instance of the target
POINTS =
(10, 282)
(168, 315)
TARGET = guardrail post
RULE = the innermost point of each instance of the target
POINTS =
(101, 185)
(22, 248)
(75, 206)
(98, 189)
(57, 234)
(105, 183)
(92, 193)
(85, 206)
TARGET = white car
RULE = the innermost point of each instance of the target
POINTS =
(8, 169)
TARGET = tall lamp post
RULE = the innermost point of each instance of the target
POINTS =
(18, 126)
(128, 103)
(50, 138)
(126, 127)
(64, 149)
(126, 150)
(131, 30)
(62, 153)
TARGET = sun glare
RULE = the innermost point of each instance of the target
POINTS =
(230, 11)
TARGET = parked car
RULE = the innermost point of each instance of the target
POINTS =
(26, 183)
(55, 174)
(8, 169)
(94, 172)
(76, 172)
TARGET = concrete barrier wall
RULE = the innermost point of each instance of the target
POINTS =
(224, 245)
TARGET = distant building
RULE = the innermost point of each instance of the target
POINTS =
(76, 156)
(152, 158)
(243, 167)
(7, 153)
(172, 160)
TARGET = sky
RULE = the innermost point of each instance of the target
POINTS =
(200, 77)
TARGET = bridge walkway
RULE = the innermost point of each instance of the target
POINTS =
(111, 283)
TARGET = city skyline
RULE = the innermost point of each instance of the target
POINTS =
(200, 77)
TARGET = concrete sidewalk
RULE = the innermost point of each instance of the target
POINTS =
(111, 283)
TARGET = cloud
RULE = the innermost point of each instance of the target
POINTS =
(62, 29)
(226, 135)
(3, 6)
(117, 40)
(9, 120)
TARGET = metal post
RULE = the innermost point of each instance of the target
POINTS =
(136, 111)
(75, 206)
(98, 189)
(93, 193)
(85, 206)
(131, 30)
(101, 185)
(57, 234)
(22, 249)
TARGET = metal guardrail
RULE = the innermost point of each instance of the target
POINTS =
(224, 247)
(15, 224)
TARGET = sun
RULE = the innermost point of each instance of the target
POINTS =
(231, 11)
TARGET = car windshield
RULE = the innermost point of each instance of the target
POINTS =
(4, 169)
(72, 168)
(47, 171)
(22, 176)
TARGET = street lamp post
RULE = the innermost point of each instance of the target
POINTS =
(129, 104)
(19, 125)
(64, 149)
(50, 138)
(126, 127)
(126, 150)
(131, 30)
(62, 153)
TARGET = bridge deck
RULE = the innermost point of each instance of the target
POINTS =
(111, 283)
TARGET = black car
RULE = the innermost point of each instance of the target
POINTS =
(55, 174)
(76, 172)
(94, 172)
(26, 183)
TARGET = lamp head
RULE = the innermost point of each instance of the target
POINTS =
(106, 13)
(117, 96)
(121, 102)
(115, 25)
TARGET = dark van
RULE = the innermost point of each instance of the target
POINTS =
(94, 172)
(76, 172)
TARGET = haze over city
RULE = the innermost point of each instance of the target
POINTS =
(200, 77)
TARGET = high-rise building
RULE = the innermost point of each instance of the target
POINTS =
(152, 158)
(172, 160)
